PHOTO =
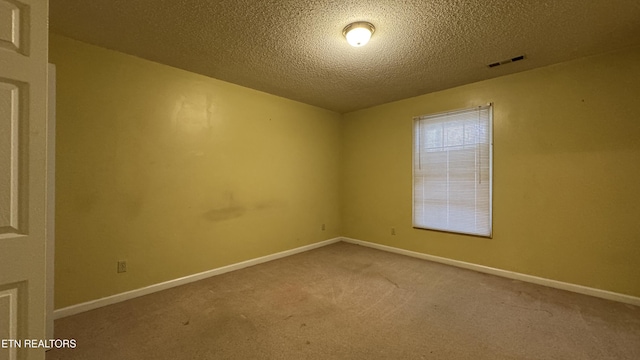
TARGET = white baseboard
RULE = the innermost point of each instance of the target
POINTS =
(604, 294)
(113, 299)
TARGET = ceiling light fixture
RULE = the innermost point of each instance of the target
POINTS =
(358, 33)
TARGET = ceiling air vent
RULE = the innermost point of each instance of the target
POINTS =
(517, 58)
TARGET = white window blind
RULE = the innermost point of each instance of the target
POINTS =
(452, 171)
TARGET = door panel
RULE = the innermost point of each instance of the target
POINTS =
(11, 18)
(9, 315)
(23, 148)
(10, 177)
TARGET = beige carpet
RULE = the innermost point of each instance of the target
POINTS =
(345, 301)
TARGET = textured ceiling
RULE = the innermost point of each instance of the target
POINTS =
(295, 48)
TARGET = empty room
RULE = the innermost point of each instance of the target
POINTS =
(319, 179)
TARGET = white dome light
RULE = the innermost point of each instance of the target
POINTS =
(358, 33)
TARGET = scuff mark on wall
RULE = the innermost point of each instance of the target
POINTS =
(231, 210)
(226, 213)
(192, 113)
(192, 119)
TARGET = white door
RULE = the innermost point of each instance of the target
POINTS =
(23, 136)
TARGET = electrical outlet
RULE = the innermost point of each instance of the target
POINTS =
(122, 266)
(393, 231)
(323, 227)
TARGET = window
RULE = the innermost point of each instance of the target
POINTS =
(452, 171)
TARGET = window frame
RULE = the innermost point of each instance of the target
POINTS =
(415, 152)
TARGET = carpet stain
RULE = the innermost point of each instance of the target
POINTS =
(389, 280)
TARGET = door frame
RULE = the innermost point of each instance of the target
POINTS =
(51, 199)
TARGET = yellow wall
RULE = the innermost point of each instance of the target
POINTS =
(177, 173)
(566, 173)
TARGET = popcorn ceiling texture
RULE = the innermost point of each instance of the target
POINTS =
(295, 48)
